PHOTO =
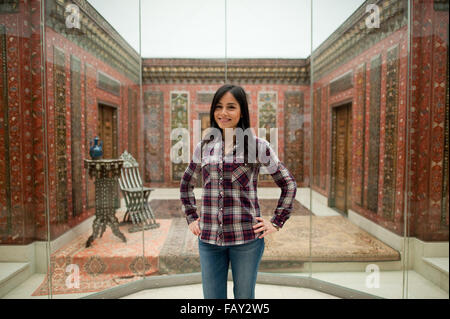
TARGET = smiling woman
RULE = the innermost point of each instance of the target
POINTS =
(230, 227)
(227, 112)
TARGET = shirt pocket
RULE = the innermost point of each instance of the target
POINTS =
(206, 174)
(242, 175)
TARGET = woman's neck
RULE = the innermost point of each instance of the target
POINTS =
(229, 141)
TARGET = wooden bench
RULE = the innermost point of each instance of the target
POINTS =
(136, 196)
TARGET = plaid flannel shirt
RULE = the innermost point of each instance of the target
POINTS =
(229, 198)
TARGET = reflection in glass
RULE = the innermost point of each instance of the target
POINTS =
(361, 146)
(23, 161)
(358, 124)
(182, 68)
(87, 87)
(357, 92)
(93, 77)
(268, 56)
(427, 200)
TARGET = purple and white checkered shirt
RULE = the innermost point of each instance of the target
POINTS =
(229, 199)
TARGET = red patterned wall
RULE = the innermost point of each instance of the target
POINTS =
(429, 116)
(398, 38)
(25, 144)
(88, 124)
(195, 108)
(22, 141)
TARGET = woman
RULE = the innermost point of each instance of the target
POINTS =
(230, 227)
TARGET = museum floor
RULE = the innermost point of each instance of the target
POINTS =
(340, 252)
(390, 287)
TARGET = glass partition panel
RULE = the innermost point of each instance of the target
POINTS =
(268, 55)
(427, 162)
(23, 157)
(359, 80)
(103, 102)
(183, 64)
(92, 65)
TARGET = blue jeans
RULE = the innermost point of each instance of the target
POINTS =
(214, 261)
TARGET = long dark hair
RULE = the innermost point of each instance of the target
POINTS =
(244, 122)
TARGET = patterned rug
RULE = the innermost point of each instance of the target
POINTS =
(333, 239)
(172, 249)
(109, 262)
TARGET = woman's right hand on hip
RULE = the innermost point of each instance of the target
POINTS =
(194, 227)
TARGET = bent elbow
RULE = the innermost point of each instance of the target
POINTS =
(292, 186)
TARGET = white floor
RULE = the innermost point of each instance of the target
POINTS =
(261, 292)
(390, 287)
(390, 284)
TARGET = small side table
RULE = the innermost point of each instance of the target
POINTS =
(106, 172)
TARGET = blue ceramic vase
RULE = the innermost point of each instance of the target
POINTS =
(96, 149)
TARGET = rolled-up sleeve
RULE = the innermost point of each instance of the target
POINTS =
(284, 179)
(188, 203)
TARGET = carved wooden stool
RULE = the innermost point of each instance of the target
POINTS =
(106, 173)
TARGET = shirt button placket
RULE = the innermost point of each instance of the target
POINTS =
(221, 195)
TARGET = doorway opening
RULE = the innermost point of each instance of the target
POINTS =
(340, 197)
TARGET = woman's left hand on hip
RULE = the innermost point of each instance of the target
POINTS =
(265, 227)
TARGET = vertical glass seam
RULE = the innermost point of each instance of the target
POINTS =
(311, 136)
(408, 159)
(226, 44)
(141, 107)
(44, 112)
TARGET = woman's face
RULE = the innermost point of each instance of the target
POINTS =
(227, 112)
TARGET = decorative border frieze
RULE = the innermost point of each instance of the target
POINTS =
(342, 83)
(390, 133)
(108, 84)
(243, 71)
(5, 176)
(95, 35)
(374, 134)
(75, 136)
(154, 136)
(60, 109)
(353, 37)
(9, 6)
